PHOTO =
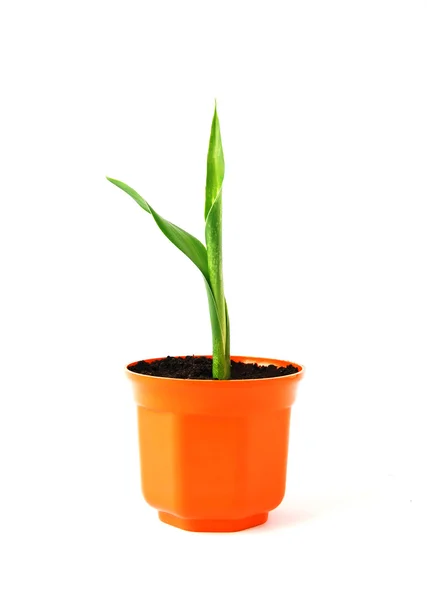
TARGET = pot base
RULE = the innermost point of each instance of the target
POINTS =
(213, 525)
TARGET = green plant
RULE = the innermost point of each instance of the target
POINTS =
(207, 258)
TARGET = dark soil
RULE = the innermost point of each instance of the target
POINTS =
(200, 367)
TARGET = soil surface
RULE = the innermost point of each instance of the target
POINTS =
(200, 367)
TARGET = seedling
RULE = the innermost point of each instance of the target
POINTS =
(208, 259)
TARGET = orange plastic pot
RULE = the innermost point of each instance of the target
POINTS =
(214, 453)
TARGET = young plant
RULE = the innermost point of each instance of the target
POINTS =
(207, 258)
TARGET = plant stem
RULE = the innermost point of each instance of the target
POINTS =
(221, 356)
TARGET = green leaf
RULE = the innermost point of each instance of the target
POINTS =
(213, 233)
(186, 242)
(215, 165)
(191, 247)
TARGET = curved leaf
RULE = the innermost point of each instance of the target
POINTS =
(191, 247)
(184, 241)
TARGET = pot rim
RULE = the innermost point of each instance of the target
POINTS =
(218, 382)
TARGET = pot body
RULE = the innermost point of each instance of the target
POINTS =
(213, 454)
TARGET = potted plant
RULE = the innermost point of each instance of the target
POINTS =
(213, 430)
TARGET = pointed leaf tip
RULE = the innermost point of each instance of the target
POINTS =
(215, 165)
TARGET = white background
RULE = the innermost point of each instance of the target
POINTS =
(323, 108)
